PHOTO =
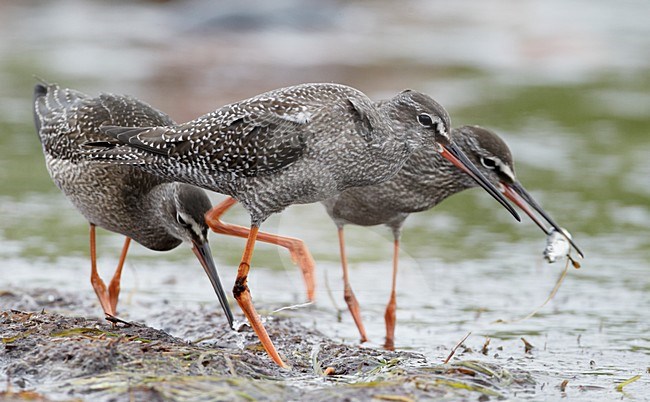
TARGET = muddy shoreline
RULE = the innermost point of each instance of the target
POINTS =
(48, 353)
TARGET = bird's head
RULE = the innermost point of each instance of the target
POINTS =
(422, 119)
(187, 210)
(488, 152)
(494, 160)
(187, 222)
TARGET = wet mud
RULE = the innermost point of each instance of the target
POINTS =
(48, 352)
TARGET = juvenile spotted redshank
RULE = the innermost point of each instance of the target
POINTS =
(425, 180)
(156, 213)
(299, 144)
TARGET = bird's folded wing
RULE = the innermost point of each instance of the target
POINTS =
(243, 144)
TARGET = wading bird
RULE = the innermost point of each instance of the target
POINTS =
(154, 212)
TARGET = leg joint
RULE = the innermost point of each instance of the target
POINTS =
(240, 287)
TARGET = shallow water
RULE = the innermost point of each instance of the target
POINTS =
(565, 84)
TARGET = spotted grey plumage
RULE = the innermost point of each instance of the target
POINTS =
(425, 180)
(156, 213)
(292, 145)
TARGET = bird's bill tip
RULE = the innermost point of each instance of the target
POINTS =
(516, 193)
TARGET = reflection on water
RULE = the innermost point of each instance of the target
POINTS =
(566, 84)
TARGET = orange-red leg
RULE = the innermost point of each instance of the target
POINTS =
(114, 285)
(243, 297)
(299, 252)
(390, 316)
(95, 279)
(348, 295)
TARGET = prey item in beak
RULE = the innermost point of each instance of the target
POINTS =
(518, 194)
(202, 252)
(454, 155)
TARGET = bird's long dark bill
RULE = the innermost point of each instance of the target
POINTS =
(202, 252)
(518, 194)
(458, 158)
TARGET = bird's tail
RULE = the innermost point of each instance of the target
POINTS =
(52, 106)
(40, 92)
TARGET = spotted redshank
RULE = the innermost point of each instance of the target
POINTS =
(425, 180)
(154, 212)
(293, 145)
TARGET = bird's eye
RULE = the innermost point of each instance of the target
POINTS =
(425, 120)
(180, 219)
(489, 163)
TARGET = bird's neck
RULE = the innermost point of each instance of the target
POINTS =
(407, 140)
(160, 202)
